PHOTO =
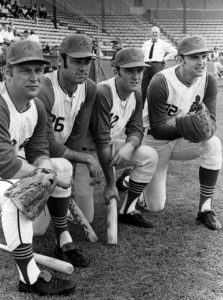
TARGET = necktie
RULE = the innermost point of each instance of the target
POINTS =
(151, 51)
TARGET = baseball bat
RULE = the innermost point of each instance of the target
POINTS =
(112, 222)
(82, 221)
(112, 218)
(50, 262)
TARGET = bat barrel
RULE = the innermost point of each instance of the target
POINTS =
(50, 262)
(112, 223)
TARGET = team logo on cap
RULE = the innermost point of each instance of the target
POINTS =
(30, 48)
(134, 55)
(84, 45)
(197, 43)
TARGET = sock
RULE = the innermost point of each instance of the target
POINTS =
(58, 208)
(208, 179)
(135, 189)
(25, 262)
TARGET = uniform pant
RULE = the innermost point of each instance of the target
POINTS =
(147, 157)
(17, 227)
(209, 152)
(83, 191)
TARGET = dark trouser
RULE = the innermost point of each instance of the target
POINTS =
(152, 69)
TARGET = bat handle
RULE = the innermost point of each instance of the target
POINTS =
(112, 222)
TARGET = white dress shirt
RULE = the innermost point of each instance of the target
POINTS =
(162, 51)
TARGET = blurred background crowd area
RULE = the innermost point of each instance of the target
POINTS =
(48, 22)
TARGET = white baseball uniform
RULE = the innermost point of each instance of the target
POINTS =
(169, 97)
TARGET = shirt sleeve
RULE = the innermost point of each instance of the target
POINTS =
(134, 127)
(171, 52)
(81, 123)
(46, 95)
(157, 97)
(210, 97)
(38, 145)
(100, 119)
(9, 162)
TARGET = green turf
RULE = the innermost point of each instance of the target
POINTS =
(177, 259)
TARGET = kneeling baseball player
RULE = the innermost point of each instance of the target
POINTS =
(117, 125)
(182, 118)
(24, 148)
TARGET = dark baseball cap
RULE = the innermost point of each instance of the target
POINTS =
(192, 45)
(130, 58)
(116, 40)
(25, 51)
(77, 46)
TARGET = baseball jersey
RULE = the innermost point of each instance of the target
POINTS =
(113, 118)
(68, 117)
(22, 134)
(169, 97)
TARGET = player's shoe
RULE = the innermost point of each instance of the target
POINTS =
(209, 219)
(71, 255)
(48, 285)
(134, 218)
(122, 182)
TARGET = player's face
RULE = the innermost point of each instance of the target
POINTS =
(195, 64)
(25, 79)
(130, 78)
(116, 46)
(77, 69)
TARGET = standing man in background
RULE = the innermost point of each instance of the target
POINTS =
(117, 46)
(156, 52)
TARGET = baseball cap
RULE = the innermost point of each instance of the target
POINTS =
(129, 58)
(24, 51)
(77, 46)
(116, 40)
(192, 45)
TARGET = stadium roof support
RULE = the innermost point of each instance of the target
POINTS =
(184, 16)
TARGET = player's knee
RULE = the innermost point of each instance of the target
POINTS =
(148, 155)
(62, 165)
(211, 156)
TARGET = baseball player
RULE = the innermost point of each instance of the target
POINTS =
(172, 93)
(68, 97)
(117, 123)
(24, 147)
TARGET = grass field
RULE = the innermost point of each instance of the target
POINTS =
(177, 259)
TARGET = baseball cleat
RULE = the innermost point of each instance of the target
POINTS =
(134, 218)
(48, 285)
(122, 182)
(71, 255)
(209, 219)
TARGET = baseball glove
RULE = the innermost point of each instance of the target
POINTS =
(196, 125)
(30, 194)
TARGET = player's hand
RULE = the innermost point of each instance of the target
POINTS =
(122, 156)
(64, 179)
(95, 171)
(110, 191)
